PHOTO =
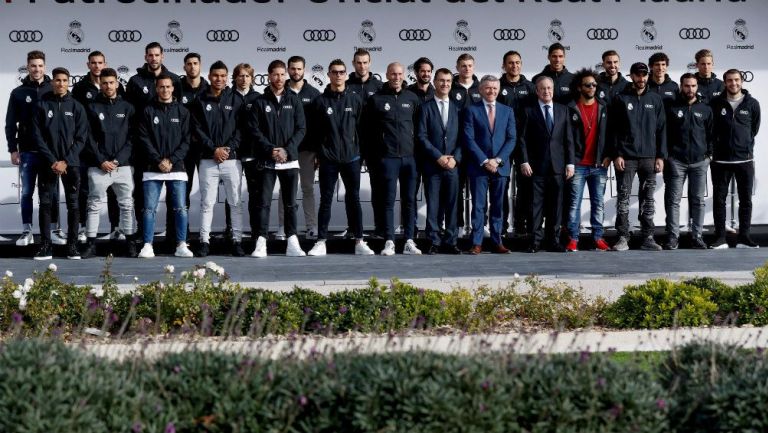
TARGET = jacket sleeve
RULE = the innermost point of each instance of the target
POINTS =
(82, 131)
(521, 156)
(422, 135)
(368, 128)
(197, 125)
(756, 119)
(125, 153)
(181, 150)
(470, 144)
(92, 146)
(11, 127)
(570, 144)
(299, 130)
(661, 134)
(145, 140)
(709, 133)
(39, 135)
(263, 146)
(614, 116)
(510, 139)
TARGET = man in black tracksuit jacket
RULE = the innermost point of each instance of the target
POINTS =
(709, 86)
(637, 132)
(60, 132)
(557, 71)
(389, 123)
(737, 121)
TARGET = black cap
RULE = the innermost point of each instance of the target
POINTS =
(639, 68)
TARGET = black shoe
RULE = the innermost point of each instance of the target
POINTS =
(649, 244)
(130, 247)
(90, 249)
(720, 243)
(237, 249)
(45, 252)
(204, 249)
(434, 249)
(228, 234)
(534, 248)
(556, 247)
(672, 243)
(450, 249)
(72, 252)
(697, 243)
(745, 241)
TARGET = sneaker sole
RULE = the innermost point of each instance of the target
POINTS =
(44, 258)
(74, 257)
(720, 247)
(743, 246)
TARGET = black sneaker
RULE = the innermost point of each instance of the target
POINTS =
(130, 247)
(649, 244)
(45, 252)
(73, 253)
(697, 243)
(204, 249)
(719, 244)
(745, 241)
(672, 243)
(90, 249)
(237, 249)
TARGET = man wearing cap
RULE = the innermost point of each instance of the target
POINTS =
(639, 142)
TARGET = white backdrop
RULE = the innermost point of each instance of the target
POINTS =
(259, 31)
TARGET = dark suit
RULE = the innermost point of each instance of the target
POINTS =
(547, 153)
(440, 185)
(480, 144)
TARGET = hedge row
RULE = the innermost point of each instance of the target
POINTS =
(47, 387)
(203, 301)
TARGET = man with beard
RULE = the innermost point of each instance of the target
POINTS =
(610, 82)
(423, 87)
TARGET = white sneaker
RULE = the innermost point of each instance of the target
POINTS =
(399, 230)
(161, 234)
(147, 252)
(261, 248)
(311, 234)
(294, 247)
(4, 239)
(280, 233)
(318, 250)
(389, 249)
(58, 237)
(116, 235)
(410, 248)
(182, 250)
(463, 232)
(486, 232)
(81, 237)
(362, 249)
(25, 239)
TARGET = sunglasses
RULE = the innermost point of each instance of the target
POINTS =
(590, 85)
(337, 72)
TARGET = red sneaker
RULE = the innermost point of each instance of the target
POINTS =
(600, 245)
(573, 245)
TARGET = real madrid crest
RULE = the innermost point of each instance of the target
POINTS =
(270, 33)
(208, 107)
(173, 35)
(504, 92)
(317, 75)
(575, 117)
(367, 34)
(740, 32)
(630, 107)
(648, 32)
(680, 113)
(461, 34)
(184, 100)
(50, 114)
(156, 120)
(329, 111)
(75, 34)
(386, 106)
(145, 90)
(458, 96)
(267, 109)
(101, 116)
(556, 32)
(29, 99)
(724, 112)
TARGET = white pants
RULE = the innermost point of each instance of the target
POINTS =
(230, 172)
(121, 180)
(307, 183)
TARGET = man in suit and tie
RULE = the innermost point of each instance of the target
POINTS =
(546, 152)
(489, 138)
(438, 137)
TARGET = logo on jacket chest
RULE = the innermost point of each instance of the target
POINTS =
(174, 120)
(386, 106)
(744, 112)
(697, 114)
(649, 106)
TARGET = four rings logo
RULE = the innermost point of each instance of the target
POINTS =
(608, 34)
(319, 35)
(694, 33)
(25, 36)
(260, 80)
(222, 35)
(124, 36)
(747, 76)
(509, 34)
(415, 35)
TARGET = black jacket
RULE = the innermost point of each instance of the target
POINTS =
(389, 121)
(546, 152)
(518, 94)
(668, 89)
(422, 95)
(607, 90)
(562, 81)
(85, 92)
(215, 123)
(464, 97)
(364, 89)
(163, 132)
(141, 87)
(22, 106)
(735, 131)
(274, 124)
(709, 88)
(689, 131)
(189, 94)
(579, 139)
(306, 95)
(111, 122)
(61, 129)
(637, 126)
(338, 117)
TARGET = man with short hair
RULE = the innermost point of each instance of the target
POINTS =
(546, 156)
(689, 138)
(737, 121)
(108, 160)
(215, 123)
(338, 114)
(559, 74)
(659, 81)
(438, 137)
(610, 82)
(639, 143)
(588, 117)
(60, 133)
(163, 134)
(709, 85)
(19, 128)
(489, 139)
(277, 125)
(389, 123)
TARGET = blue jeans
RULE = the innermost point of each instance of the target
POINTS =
(178, 191)
(594, 178)
(29, 168)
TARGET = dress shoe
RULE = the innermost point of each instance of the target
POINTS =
(556, 247)
(450, 249)
(500, 249)
(475, 250)
(534, 248)
(434, 249)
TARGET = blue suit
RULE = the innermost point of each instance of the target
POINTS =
(480, 144)
(440, 185)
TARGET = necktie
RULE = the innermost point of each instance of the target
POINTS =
(444, 113)
(491, 116)
(548, 119)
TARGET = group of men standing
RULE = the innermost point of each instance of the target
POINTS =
(561, 131)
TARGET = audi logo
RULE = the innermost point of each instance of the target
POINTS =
(222, 35)
(124, 36)
(694, 33)
(602, 34)
(415, 35)
(319, 35)
(509, 34)
(25, 36)
(747, 76)
(260, 80)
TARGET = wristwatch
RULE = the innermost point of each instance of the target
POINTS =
(500, 162)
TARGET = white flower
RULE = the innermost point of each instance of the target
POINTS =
(97, 292)
(161, 285)
(199, 273)
(169, 269)
(53, 267)
(55, 292)
(218, 270)
(188, 287)
(517, 275)
(18, 293)
(184, 274)
(135, 279)
(23, 303)
(28, 284)
(9, 274)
